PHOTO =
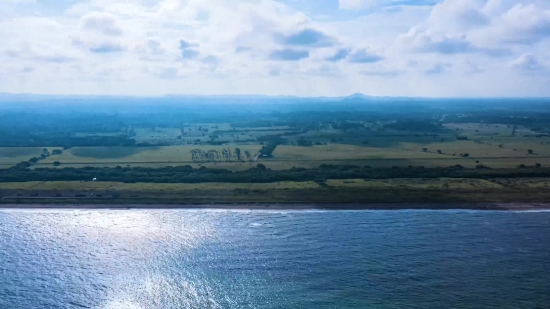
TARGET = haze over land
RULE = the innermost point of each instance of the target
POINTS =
(290, 101)
(426, 48)
(251, 149)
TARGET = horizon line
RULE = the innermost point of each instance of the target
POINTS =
(351, 96)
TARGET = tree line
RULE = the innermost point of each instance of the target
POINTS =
(258, 174)
(199, 155)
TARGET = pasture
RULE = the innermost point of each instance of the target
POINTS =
(396, 183)
(166, 187)
(489, 145)
(9, 156)
(137, 155)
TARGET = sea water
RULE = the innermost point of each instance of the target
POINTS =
(140, 259)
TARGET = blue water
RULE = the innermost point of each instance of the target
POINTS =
(253, 259)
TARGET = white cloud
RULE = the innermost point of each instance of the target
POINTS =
(527, 63)
(356, 4)
(265, 46)
(102, 23)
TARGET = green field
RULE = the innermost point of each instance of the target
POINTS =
(10, 156)
(114, 186)
(136, 155)
(287, 156)
(488, 145)
(396, 183)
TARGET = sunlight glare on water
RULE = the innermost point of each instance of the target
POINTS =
(153, 259)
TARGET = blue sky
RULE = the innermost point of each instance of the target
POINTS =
(428, 48)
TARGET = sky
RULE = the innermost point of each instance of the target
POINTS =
(417, 48)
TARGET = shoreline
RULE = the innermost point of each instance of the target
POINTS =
(528, 206)
(493, 194)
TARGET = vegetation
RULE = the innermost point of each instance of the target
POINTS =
(258, 174)
(262, 141)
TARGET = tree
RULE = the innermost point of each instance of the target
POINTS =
(425, 149)
(56, 163)
(238, 154)
(229, 154)
(439, 151)
(261, 167)
(530, 151)
(247, 154)
(212, 155)
(225, 154)
(193, 154)
(33, 160)
(57, 152)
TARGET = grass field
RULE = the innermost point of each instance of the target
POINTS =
(489, 145)
(10, 156)
(114, 186)
(133, 155)
(442, 183)
(157, 135)
(286, 156)
(397, 183)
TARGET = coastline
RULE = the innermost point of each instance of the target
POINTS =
(298, 207)
(494, 194)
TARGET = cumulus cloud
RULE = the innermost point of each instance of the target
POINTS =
(249, 45)
(427, 41)
(288, 54)
(382, 73)
(168, 73)
(186, 51)
(459, 15)
(339, 55)
(438, 68)
(527, 63)
(472, 68)
(189, 54)
(55, 58)
(41, 53)
(364, 56)
(102, 23)
(523, 24)
(305, 37)
(155, 47)
(356, 4)
(98, 45)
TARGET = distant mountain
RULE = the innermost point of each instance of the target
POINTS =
(232, 96)
(355, 98)
(358, 95)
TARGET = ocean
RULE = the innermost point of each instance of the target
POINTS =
(149, 259)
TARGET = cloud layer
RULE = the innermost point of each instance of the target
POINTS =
(337, 47)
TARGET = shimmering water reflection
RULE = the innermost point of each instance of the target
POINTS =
(258, 259)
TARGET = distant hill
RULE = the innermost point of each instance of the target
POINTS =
(358, 95)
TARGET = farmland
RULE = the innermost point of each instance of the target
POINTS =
(483, 147)
(209, 146)
(495, 194)
(135, 155)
